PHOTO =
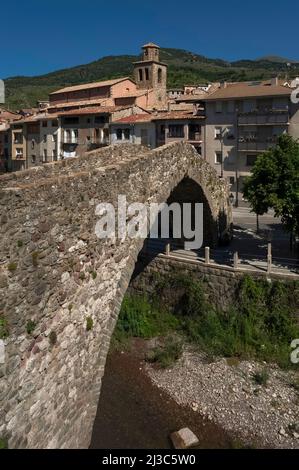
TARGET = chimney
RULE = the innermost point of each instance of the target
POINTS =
(274, 81)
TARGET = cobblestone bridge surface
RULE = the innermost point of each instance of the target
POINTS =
(61, 287)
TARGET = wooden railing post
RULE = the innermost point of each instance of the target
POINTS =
(269, 258)
(236, 260)
(207, 255)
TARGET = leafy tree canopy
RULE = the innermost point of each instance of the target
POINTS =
(274, 183)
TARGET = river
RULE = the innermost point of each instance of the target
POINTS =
(134, 414)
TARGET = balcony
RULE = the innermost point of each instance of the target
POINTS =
(195, 137)
(256, 145)
(266, 117)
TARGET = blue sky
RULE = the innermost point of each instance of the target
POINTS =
(39, 37)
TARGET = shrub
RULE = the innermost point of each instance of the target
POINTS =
(35, 256)
(19, 243)
(261, 377)
(167, 354)
(141, 318)
(12, 266)
(89, 324)
(260, 325)
(3, 328)
(53, 338)
(30, 327)
(3, 444)
(94, 275)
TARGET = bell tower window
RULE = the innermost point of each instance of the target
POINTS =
(146, 74)
(140, 71)
(159, 75)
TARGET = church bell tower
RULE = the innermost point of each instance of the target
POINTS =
(151, 74)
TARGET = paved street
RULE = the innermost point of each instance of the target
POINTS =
(251, 247)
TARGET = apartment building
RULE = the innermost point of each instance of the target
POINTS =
(34, 140)
(243, 120)
(5, 146)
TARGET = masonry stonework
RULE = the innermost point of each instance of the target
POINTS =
(55, 275)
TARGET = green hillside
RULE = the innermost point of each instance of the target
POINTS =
(184, 68)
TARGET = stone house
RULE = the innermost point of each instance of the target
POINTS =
(136, 129)
(88, 128)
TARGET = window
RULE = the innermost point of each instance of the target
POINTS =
(218, 158)
(32, 143)
(218, 106)
(140, 71)
(54, 123)
(71, 120)
(127, 134)
(159, 75)
(119, 134)
(45, 156)
(88, 120)
(33, 159)
(45, 138)
(231, 180)
(218, 132)
(146, 74)
(250, 160)
(67, 135)
(176, 131)
(88, 139)
(100, 119)
(19, 152)
(44, 123)
(230, 106)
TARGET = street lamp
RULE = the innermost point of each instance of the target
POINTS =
(222, 135)
(231, 198)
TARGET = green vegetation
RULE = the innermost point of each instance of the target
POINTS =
(261, 377)
(3, 444)
(30, 327)
(4, 332)
(35, 256)
(168, 353)
(260, 325)
(94, 275)
(53, 338)
(89, 324)
(19, 243)
(12, 267)
(274, 183)
(184, 67)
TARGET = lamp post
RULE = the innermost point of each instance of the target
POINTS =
(222, 135)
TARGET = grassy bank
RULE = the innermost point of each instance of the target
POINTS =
(260, 325)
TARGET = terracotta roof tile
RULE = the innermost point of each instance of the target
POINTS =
(91, 85)
(135, 118)
(249, 90)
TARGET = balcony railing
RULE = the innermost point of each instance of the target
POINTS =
(256, 145)
(264, 117)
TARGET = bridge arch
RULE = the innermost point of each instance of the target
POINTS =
(56, 278)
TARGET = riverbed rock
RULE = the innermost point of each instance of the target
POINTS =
(184, 439)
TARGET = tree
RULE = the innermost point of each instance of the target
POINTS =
(274, 183)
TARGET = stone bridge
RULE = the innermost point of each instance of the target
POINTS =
(61, 288)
